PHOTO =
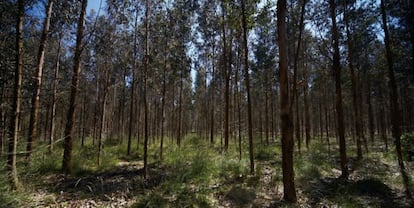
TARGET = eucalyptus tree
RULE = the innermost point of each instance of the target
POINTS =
(289, 192)
(247, 83)
(336, 67)
(68, 134)
(38, 80)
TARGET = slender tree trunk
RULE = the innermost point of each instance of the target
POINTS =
(102, 120)
(164, 89)
(394, 107)
(68, 135)
(289, 193)
(38, 82)
(247, 82)
(213, 91)
(226, 68)
(145, 88)
(336, 66)
(17, 99)
(267, 111)
(354, 83)
(180, 109)
(54, 97)
(133, 72)
(295, 75)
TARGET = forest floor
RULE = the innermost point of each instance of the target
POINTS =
(201, 175)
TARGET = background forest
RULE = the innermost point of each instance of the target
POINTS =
(183, 103)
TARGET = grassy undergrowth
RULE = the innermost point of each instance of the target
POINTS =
(199, 174)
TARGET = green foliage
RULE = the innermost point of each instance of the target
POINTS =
(9, 198)
(44, 162)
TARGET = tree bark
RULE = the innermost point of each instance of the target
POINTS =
(247, 82)
(132, 106)
(68, 135)
(38, 82)
(289, 193)
(336, 67)
(226, 68)
(354, 83)
(54, 97)
(145, 88)
(394, 107)
(17, 99)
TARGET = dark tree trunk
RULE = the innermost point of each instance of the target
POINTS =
(68, 135)
(145, 88)
(226, 68)
(289, 193)
(394, 107)
(355, 87)
(247, 82)
(336, 67)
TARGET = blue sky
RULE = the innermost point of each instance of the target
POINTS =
(94, 4)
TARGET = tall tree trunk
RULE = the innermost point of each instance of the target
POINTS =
(54, 97)
(289, 193)
(180, 109)
(212, 83)
(394, 107)
(38, 82)
(226, 68)
(354, 83)
(133, 72)
(17, 99)
(295, 75)
(68, 135)
(336, 67)
(247, 82)
(164, 89)
(145, 88)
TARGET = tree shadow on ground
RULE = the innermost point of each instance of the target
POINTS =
(124, 180)
(368, 192)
